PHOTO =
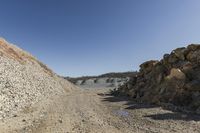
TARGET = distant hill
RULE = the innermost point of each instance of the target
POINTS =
(114, 79)
(107, 75)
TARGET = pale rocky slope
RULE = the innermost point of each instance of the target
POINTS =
(24, 81)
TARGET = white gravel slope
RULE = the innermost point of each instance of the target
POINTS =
(24, 81)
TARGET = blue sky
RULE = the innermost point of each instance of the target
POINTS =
(91, 37)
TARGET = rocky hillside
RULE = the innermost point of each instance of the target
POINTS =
(104, 80)
(24, 81)
(175, 79)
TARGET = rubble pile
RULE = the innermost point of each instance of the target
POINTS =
(174, 79)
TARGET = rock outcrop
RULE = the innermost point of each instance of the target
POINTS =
(25, 81)
(174, 79)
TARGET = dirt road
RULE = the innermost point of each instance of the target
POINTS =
(92, 111)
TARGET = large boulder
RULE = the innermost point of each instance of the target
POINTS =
(176, 74)
(147, 66)
(180, 53)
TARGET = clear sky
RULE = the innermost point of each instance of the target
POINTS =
(91, 37)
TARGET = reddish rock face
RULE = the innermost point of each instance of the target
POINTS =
(7, 50)
(15, 53)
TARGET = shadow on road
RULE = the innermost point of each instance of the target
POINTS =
(132, 105)
(174, 116)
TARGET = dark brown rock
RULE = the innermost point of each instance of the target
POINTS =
(180, 53)
(193, 47)
(193, 85)
(147, 66)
